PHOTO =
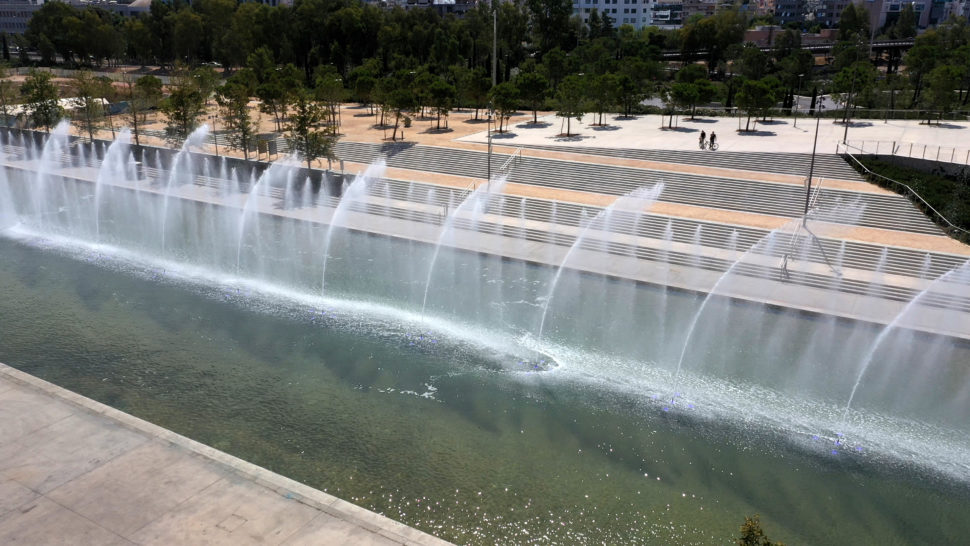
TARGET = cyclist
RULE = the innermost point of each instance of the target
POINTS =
(701, 140)
(713, 140)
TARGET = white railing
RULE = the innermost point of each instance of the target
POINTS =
(947, 154)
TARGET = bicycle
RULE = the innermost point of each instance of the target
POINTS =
(712, 146)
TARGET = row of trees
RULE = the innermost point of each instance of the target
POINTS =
(356, 40)
(309, 112)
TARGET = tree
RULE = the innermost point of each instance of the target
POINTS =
(474, 89)
(207, 80)
(233, 101)
(187, 33)
(331, 92)
(304, 136)
(754, 98)
(601, 93)
(921, 59)
(505, 98)
(442, 97)
(550, 22)
(753, 535)
(400, 99)
(941, 85)
(853, 23)
(628, 94)
(142, 95)
(905, 26)
(88, 102)
(7, 94)
(183, 108)
(276, 90)
(853, 81)
(570, 100)
(532, 89)
(684, 95)
(41, 99)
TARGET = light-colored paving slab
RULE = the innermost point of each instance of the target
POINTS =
(74, 471)
(782, 135)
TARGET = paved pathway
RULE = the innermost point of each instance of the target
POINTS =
(74, 471)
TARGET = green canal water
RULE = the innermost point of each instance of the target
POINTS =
(441, 434)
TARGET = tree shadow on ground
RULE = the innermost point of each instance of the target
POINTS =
(530, 125)
(476, 121)
(435, 131)
(856, 123)
(605, 127)
(503, 135)
(679, 129)
(946, 125)
(700, 120)
(755, 132)
(392, 148)
(773, 122)
(572, 137)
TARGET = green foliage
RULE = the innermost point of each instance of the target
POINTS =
(571, 100)
(304, 135)
(41, 99)
(949, 195)
(89, 101)
(532, 90)
(442, 98)
(142, 95)
(854, 23)
(364, 43)
(755, 97)
(8, 94)
(276, 89)
(505, 98)
(857, 80)
(753, 535)
(183, 108)
(233, 101)
(941, 84)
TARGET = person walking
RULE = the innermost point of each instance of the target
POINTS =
(713, 145)
(702, 139)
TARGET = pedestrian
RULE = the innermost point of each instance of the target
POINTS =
(702, 139)
(713, 139)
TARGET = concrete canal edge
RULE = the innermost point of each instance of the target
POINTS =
(26, 393)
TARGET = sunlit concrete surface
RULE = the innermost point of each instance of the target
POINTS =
(74, 471)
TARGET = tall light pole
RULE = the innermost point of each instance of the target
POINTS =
(845, 133)
(494, 44)
(488, 170)
(797, 91)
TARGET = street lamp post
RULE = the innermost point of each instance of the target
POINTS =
(845, 134)
(215, 133)
(797, 91)
(488, 180)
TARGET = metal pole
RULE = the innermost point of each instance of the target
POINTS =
(797, 91)
(494, 44)
(845, 134)
(811, 172)
(488, 180)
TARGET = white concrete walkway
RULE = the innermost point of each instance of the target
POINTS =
(779, 135)
(74, 471)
